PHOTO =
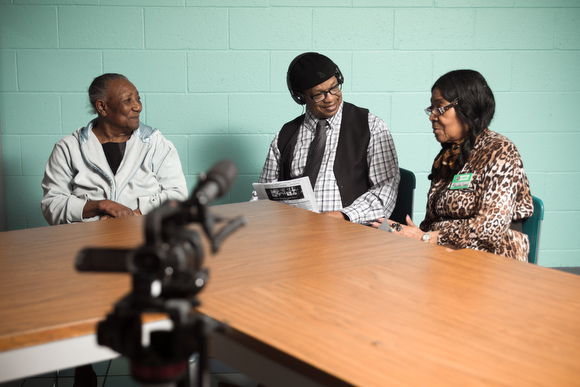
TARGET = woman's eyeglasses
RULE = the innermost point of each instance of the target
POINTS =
(440, 110)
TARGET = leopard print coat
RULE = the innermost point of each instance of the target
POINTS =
(479, 216)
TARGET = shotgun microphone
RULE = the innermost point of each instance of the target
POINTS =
(215, 183)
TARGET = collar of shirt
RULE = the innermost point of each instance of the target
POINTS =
(311, 120)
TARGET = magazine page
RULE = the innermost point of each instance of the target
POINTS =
(296, 192)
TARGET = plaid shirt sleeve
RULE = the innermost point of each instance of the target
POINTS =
(379, 200)
(270, 170)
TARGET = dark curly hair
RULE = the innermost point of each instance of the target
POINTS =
(475, 108)
(99, 87)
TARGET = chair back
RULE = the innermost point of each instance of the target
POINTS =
(532, 226)
(405, 197)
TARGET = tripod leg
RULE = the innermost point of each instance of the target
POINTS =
(203, 377)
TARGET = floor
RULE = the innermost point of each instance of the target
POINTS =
(115, 373)
(573, 270)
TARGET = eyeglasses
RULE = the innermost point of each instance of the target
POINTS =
(334, 90)
(440, 110)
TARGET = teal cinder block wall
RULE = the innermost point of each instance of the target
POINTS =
(212, 77)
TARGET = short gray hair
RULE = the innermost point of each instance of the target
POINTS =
(99, 88)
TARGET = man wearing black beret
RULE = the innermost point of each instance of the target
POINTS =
(347, 152)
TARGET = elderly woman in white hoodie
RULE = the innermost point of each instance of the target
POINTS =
(116, 166)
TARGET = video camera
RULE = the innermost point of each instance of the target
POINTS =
(167, 274)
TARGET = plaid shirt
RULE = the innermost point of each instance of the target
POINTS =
(384, 176)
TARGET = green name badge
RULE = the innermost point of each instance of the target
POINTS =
(461, 181)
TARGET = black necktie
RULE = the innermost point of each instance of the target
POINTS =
(316, 152)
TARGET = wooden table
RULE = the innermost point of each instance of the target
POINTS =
(313, 300)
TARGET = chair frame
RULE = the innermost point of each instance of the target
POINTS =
(532, 226)
(405, 197)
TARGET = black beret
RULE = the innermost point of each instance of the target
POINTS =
(310, 70)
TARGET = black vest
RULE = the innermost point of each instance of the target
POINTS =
(350, 165)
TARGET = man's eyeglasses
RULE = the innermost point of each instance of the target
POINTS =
(322, 96)
(440, 110)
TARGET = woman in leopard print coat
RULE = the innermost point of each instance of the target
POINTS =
(479, 190)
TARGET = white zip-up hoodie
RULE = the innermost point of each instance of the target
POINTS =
(77, 171)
